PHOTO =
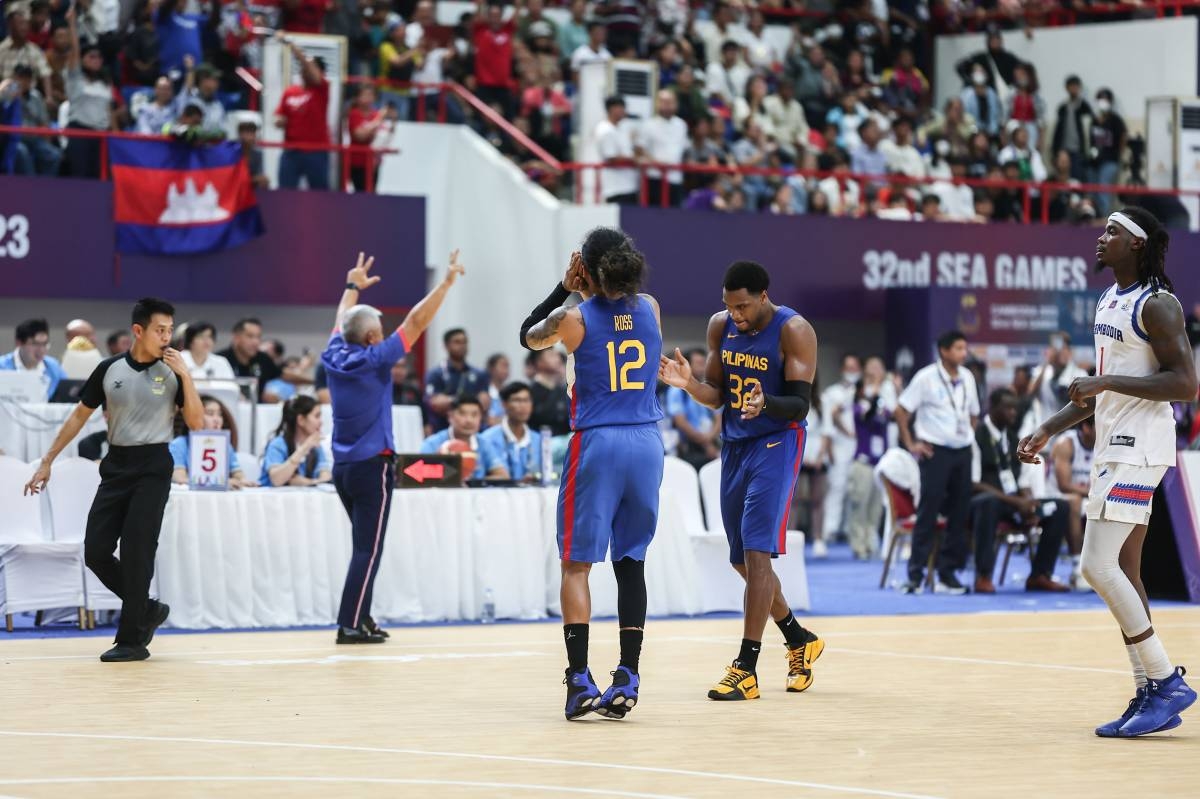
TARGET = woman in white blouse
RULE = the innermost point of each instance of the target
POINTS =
(203, 364)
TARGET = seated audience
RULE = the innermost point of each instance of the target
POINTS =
(295, 457)
(512, 442)
(202, 362)
(699, 427)
(466, 415)
(216, 417)
(33, 342)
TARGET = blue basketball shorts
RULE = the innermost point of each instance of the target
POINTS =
(609, 493)
(758, 476)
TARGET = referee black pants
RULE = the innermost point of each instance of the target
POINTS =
(945, 489)
(365, 488)
(135, 483)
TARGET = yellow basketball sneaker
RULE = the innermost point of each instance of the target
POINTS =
(737, 684)
(800, 660)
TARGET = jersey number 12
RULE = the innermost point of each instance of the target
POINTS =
(637, 361)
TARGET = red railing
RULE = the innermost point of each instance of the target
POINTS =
(343, 150)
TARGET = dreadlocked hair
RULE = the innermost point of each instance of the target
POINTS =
(1152, 258)
(621, 271)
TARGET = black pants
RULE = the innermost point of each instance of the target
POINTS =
(654, 193)
(358, 179)
(988, 510)
(135, 483)
(365, 488)
(946, 489)
(83, 156)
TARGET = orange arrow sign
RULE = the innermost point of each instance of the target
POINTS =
(422, 471)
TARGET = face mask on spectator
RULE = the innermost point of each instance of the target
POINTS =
(1103, 105)
(942, 147)
(852, 377)
(979, 77)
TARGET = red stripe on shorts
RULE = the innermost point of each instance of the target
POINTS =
(801, 433)
(569, 493)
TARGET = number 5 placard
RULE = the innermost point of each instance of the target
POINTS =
(208, 460)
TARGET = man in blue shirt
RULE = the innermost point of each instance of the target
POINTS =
(699, 427)
(33, 342)
(511, 443)
(466, 415)
(358, 367)
(453, 378)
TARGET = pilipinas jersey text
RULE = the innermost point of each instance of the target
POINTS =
(1129, 430)
(613, 374)
(747, 360)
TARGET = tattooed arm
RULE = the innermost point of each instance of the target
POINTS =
(562, 325)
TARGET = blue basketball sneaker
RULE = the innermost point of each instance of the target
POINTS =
(1112, 729)
(1163, 701)
(621, 696)
(582, 693)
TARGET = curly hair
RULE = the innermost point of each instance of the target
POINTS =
(621, 271)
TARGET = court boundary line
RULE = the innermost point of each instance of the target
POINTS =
(542, 761)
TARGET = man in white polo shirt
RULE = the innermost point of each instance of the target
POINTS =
(614, 143)
(946, 404)
(662, 139)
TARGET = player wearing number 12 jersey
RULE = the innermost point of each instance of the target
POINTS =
(761, 361)
(608, 499)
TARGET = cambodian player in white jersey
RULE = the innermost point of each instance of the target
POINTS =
(1143, 364)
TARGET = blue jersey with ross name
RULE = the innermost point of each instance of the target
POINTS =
(613, 374)
(749, 359)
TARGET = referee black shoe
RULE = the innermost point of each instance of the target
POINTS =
(124, 653)
(156, 614)
(358, 635)
(374, 628)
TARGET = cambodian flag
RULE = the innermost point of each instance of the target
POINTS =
(171, 198)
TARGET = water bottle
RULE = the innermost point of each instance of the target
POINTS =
(488, 616)
(547, 455)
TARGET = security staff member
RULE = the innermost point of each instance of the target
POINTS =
(946, 403)
(358, 367)
(140, 391)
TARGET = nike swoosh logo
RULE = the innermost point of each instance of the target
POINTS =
(734, 335)
(774, 444)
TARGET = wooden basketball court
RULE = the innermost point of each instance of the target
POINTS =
(995, 705)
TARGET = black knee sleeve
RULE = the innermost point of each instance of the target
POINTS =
(631, 592)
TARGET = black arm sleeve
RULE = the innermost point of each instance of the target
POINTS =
(92, 393)
(556, 299)
(791, 405)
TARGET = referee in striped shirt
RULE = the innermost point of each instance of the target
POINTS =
(141, 390)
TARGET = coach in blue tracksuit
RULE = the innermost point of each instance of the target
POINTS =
(358, 365)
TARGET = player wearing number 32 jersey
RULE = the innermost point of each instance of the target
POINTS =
(608, 499)
(761, 361)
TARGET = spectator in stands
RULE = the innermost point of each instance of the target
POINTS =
(816, 88)
(1019, 151)
(726, 77)
(405, 388)
(39, 23)
(574, 33)
(179, 35)
(784, 202)
(1008, 201)
(905, 87)
(551, 406)
(155, 116)
(995, 62)
(247, 131)
(752, 106)
(547, 109)
(846, 118)
(981, 102)
(943, 398)
(492, 36)
(90, 93)
(295, 457)
(855, 77)
(200, 86)
(198, 355)
(787, 121)
(244, 355)
(593, 52)
(364, 123)
(689, 100)
(33, 344)
(104, 24)
(453, 378)
(280, 389)
(118, 342)
(142, 48)
(931, 208)
(725, 28)
(1025, 104)
(979, 156)
(624, 21)
(699, 427)
(466, 416)
(874, 403)
(303, 114)
(511, 442)
(396, 65)
(57, 57)
(760, 52)
(10, 115)
(1107, 137)
(868, 158)
(957, 200)
(753, 150)
(985, 208)
(498, 372)
(304, 16)
(953, 125)
(662, 140)
(35, 155)
(216, 417)
(1001, 487)
(704, 196)
(17, 49)
(1071, 128)
(902, 157)
(840, 194)
(614, 145)
(535, 13)
(669, 63)
(1068, 206)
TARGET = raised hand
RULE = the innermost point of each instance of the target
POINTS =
(455, 270)
(675, 371)
(753, 404)
(38, 483)
(173, 359)
(358, 275)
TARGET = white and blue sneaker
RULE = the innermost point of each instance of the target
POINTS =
(1160, 705)
(1113, 728)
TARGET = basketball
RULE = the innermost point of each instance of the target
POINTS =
(469, 456)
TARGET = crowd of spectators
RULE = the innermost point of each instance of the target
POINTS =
(849, 96)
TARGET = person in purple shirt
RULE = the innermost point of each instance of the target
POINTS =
(874, 404)
(358, 368)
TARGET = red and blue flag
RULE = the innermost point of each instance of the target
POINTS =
(171, 198)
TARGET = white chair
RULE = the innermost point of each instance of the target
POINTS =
(35, 573)
(250, 464)
(680, 481)
(710, 494)
(72, 488)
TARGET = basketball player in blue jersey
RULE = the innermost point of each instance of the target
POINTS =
(762, 359)
(609, 492)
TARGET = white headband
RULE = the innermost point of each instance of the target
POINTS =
(1127, 223)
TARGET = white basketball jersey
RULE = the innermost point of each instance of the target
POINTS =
(1129, 430)
(1081, 466)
